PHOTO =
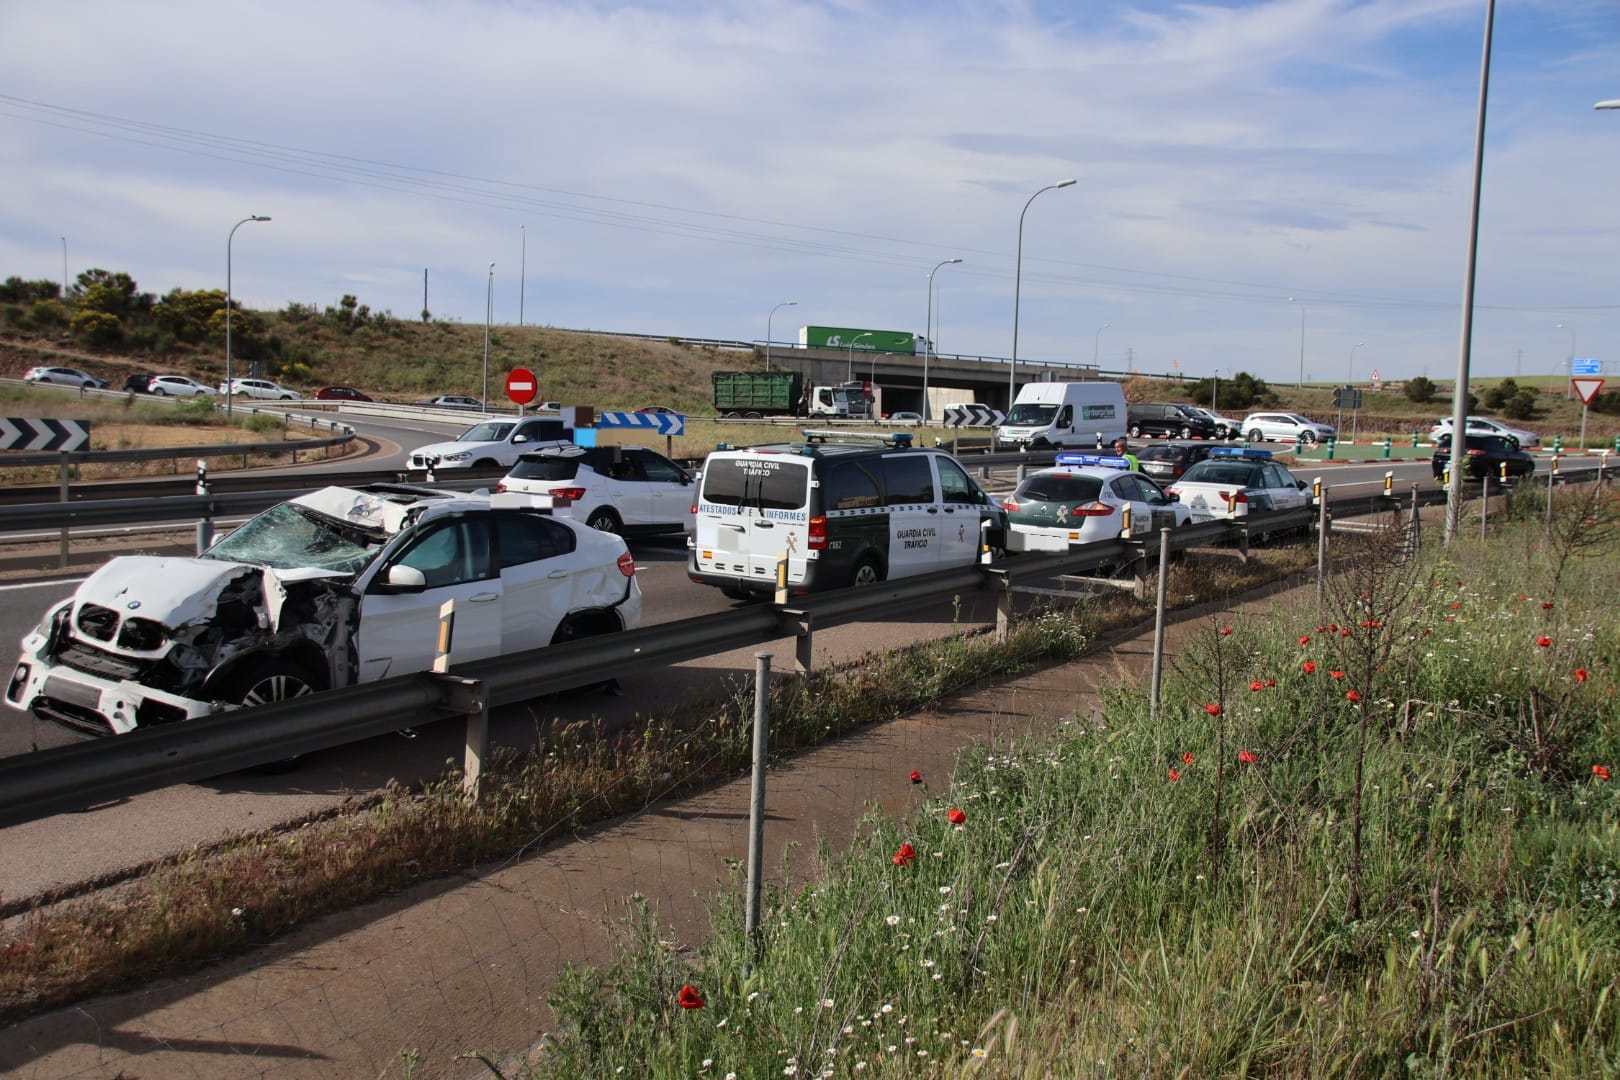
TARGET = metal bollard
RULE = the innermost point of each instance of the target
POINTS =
(1414, 440)
(1386, 445)
(205, 525)
(1389, 484)
(1558, 444)
(1125, 522)
(1331, 445)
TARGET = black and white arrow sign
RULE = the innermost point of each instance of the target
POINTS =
(971, 414)
(31, 433)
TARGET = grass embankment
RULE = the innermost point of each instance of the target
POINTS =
(1374, 840)
(250, 888)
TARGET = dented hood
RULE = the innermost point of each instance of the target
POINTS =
(172, 591)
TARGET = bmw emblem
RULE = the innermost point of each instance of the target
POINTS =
(133, 604)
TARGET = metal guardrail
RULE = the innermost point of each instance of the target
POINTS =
(162, 453)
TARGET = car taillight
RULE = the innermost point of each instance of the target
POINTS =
(1010, 505)
(500, 487)
(1092, 509)
(1476, 452)
(573, 494)
(1240, 497)
(818, 533)
(627, 565)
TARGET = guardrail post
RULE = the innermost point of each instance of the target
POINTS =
(1484, 502)
(1413, 525)
(1004, 613)
(65, 497)
(798, 622)
(205, 524)
(1552, 475)
(756, 797)
(1321, 542)
(1158, 622)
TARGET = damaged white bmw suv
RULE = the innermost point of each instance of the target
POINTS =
(334, 588)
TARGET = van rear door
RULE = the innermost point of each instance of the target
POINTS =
(752, 509)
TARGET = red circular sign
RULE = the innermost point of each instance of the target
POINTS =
(522, 386)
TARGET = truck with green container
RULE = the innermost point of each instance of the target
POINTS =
(754, 394)
(866, 341)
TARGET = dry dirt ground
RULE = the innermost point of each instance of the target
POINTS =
(465, 964)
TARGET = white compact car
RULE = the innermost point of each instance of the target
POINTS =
(492, 443)
(629, 490)
(259, 388)
(1479, 425)
(177, 386)
(334, 588)
(1285, 427)
(64, 376)
(1082, 501)
(1233, 481)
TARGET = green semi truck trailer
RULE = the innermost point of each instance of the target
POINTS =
(758, 393)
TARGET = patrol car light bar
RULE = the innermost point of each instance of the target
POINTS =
(1239, 451)
(893, 438)
(1107, 461)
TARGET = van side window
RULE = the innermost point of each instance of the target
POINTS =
(1065, 416)
(849, 485)
(908, 479)
(955, 486)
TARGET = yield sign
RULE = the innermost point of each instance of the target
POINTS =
(1586, 389)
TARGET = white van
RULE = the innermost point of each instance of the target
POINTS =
(840, 513)
(1065, 414)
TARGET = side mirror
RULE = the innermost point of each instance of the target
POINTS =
(1302, 485)
(520, 438)
(404, 578)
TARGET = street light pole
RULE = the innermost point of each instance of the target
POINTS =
(1096, 343)
(928, 332)
(489, 315)
(1349, 372)
(1301, 381)
(228, 239)
(1569, 363)
(523, 272)
(849, 366)
(64, 271)
(783, 304)
(1018, 280)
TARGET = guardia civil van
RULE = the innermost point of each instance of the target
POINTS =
(840, 510)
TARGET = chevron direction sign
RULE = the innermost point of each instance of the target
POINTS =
(969, 414)
(32, 433)
(662, 423)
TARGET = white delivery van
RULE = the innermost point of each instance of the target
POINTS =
(1054, 415)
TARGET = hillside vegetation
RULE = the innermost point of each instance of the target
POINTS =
(108, 326)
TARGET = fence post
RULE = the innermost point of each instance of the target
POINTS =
(1484, 502)
(756, 798)
(1003, 582)
(1158, 621)
(1321, 543)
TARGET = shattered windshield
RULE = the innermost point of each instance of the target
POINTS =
(492, 431)
(290, 537)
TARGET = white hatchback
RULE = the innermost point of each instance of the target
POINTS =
(492, 443)
(1479, 425)
(1233, 481)
(1285, 427)
(1084, 501)
(177, 386)
(338, 587)
(259, 388)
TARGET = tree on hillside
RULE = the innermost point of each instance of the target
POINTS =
(14, 290)
(1242, 391)
(190, 314)
(112, 293)
(1420, 389)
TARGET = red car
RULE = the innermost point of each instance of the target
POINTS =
(340, 393)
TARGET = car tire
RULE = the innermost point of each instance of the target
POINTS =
(158, 391)
(1136, 431)
(867, 572)
(1308, 438)
(604, 519)
(265, 681)
(1186, 432)
(752, 415)
(1257, 436)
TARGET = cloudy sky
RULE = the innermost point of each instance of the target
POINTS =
(684, 166)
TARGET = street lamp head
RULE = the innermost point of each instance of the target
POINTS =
(1064, 183)
(260, 217)
(1612, 103)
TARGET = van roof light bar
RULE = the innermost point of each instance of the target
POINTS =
(1240, 452)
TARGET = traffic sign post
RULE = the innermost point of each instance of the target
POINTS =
(1586, 390)
(522, 387)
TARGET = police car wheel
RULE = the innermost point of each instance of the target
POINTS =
(866, 573)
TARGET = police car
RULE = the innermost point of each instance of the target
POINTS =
(1232, 481)
(1087, 498)
(838, 509)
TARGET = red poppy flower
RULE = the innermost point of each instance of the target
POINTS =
(1337, 674)
(1321, 629)
(1271, 682)
(1213, 709)
(1304, 639)
(1547, 606)
(1174, 776)
(1523, 597)
(1247, 757)
(1456, 606)
(1345, 632)
(1600, 772)
(1309, 666)
(1352, 695)
(1225, 630)
(689, 998)
(1580, 674)
(955, 816)
(1186, 757)
(1544, 641)
(916, 777)
(1257, 685)
(905, 855)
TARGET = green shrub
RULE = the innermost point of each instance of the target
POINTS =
(265, 423)
(1420, 389)
(96, 327)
